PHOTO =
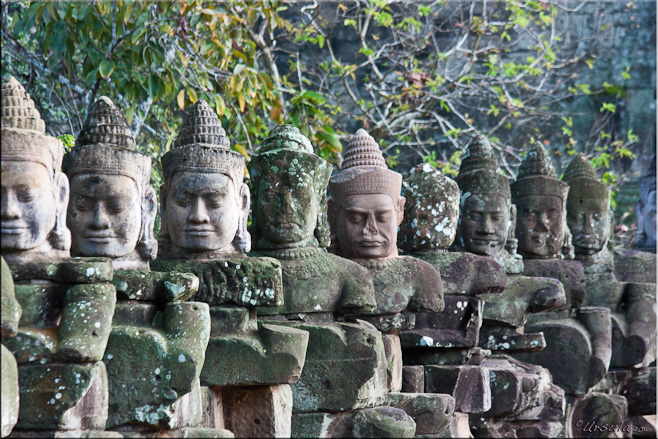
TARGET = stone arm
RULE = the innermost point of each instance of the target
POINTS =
(640, 303)
(153, 286)
(358, 291)
(11, 309)
(428, 288)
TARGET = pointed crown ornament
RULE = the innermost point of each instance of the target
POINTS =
(364, 171)
(24, 135)
(202, 146)
(105, 145)
(537, 176)
(583, 182)
(479, 171)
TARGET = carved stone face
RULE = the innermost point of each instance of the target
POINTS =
(287, 208)
(649, 218)
(484, 224)
(104, 215)
(540, 227)
(29, 205)
(589, 223)
(202, 211)
(366, 226)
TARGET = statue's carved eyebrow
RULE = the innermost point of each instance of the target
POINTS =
(356, 209)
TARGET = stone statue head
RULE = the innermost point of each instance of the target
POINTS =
(112, 207)
(431, 210)
(289, 187)
(366, 207)
(646, 210)
(35, 192)
(485, 204)
(588, 208)
(204, 201)
(540, 199)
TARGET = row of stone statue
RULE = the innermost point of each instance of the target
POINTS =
(284, 338)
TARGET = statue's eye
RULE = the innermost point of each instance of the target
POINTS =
(531, 216)
(383, 217)
(496, 218)
(597, 217)
(25, 195)
(82, 203)
(355, 218)
(116, 206)
(474, 216)
(182, 202)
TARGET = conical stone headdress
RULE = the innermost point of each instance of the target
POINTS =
(478, 173)
(202, 146)
(287, 150)
(537, 176)
(105, 145)
(583, 182)
(23, 132)
(364, 171)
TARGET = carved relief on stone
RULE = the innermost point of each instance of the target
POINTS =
(541, 200)
(34, 191)
(112, 207)
(204, 202)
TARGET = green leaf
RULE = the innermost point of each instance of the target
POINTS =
(154, 86)
(106, 68)
(137, 35)
(608, 106)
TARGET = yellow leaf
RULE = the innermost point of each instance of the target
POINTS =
(241, 102)
(192, 94)
(275, 113)
(183, 59)
(181, 99)
(240, 148)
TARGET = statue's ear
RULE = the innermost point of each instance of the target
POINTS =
(60, 237)
(163, 210)
(400, 209)
(331, 213)
(242, 237)
(147, 242)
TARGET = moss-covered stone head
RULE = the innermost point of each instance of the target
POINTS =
(35, 193)
(431, 210)
(289, 188)
(112, 207)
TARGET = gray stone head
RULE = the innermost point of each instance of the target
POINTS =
(485, 204)
(35, 192)
(112, 207)
(541, 198)
(588, 208)
(204, 201)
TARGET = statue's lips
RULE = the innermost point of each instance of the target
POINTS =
(12, 230)
(370, 243)
(199, 231)
(100, 238)
(485, 241)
